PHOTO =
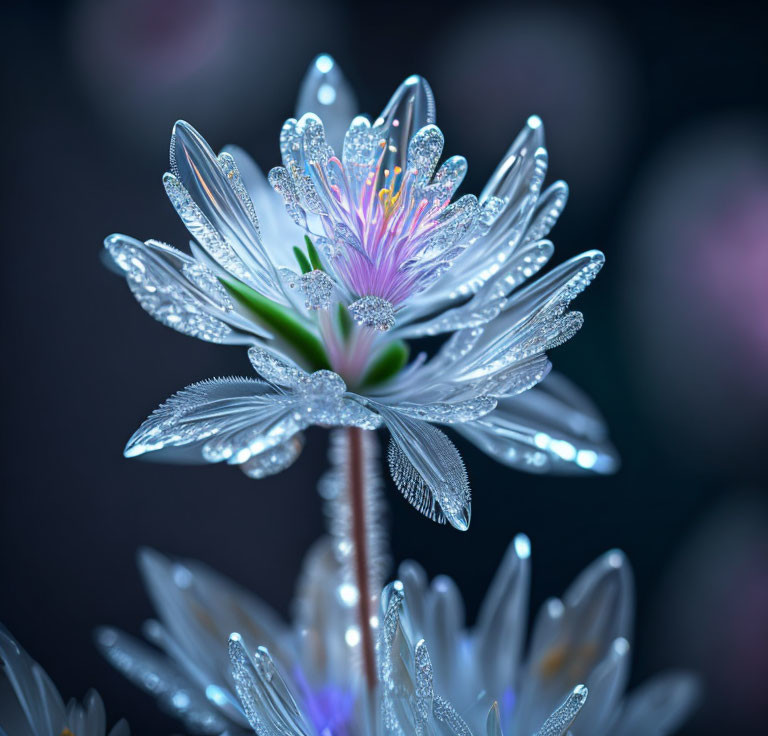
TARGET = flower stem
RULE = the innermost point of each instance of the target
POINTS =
(357, 504)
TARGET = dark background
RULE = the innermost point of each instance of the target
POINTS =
(656, 115)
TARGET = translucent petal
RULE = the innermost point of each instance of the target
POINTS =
(322, 617)
(551, 428)
(268, 704)
(179, 291)
(199, 608)
(445, 614)
(489, 300)
(361, 147)
(501, 624)
(176, 693)
(200, 174)
(182, 425)
(548, 210)
(410, 109)
(449, 177)
(505, 177)
(279, 232)
(658, 706)
(37, 695)
(449, 413)
(572, 638)
(326, 92)
(606, 686)
(427, 469)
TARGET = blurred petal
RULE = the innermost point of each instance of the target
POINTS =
(501, 622)
(551, 428)
(658, 706)
(326, 92)
(154, 673)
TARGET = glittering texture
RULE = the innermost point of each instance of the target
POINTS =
(557, 724)
(428, 470)
(229, 167)
(273, 460)
(373, 311)
(173, 288)
(203, 231)
(268, 704)
(317, 287)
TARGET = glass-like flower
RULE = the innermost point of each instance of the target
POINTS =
(434, 675)
(32, 705)
(386, 257)
(356, 661)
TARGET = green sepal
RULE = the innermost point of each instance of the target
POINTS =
(387, 364)
(314, 256)
(282, 322)
(301, 259)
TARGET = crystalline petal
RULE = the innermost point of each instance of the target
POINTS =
(503, 180)
(548, 210)
(229, 167)
(269, 706)
(200, 174)
(179, 291)
(449, 413)
(411, 108)
(200, 411)
(360, 148)
(424, 151)
(557, 724)
(276, 369)
(203, 231)
(449, 177)
(427, 469)
(551, 428)
(280, 180)
(500, 628)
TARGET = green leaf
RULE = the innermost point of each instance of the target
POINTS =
(282, 322)
(302, 259)
(314, 256)
(387, 364)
